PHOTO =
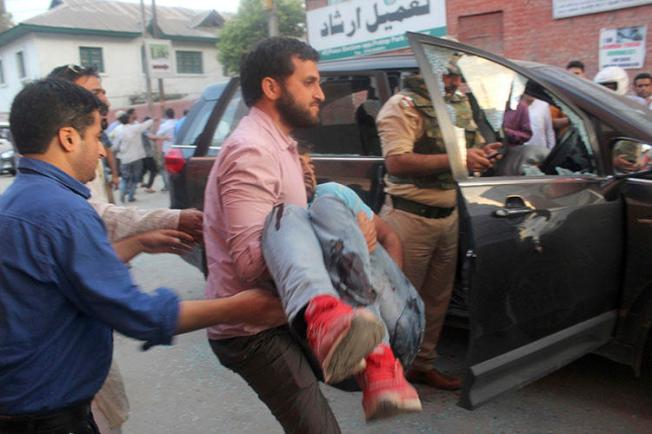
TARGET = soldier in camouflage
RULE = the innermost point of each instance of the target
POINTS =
(421, 200)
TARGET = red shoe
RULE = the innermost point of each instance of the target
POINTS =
(385, 391)
(341, 337)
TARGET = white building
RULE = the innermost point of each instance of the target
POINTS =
(108, 35)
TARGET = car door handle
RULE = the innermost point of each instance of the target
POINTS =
(514, 206)
(512, 212)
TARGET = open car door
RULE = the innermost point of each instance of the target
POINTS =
(544, 244)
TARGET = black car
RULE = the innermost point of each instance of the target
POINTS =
(555, 258)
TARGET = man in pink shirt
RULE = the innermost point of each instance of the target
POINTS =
(258, 171)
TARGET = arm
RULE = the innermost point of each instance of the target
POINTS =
(389, 240)
(160, 241)
(254, 306)
(249, 187)
(110, 158)
(121, 222)
(400, 126)
(100, 286)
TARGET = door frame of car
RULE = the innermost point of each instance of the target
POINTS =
(525, 363)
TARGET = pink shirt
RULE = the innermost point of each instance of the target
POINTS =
(257, 168)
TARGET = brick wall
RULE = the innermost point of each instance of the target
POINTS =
(530, 32)
(315, 4)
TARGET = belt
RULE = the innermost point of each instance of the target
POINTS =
(427, 211)
(68, 418)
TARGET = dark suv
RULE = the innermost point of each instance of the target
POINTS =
(555, 256)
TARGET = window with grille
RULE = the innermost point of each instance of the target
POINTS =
(190, 62)
(91, 56)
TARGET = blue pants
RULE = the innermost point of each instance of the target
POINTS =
(321, 251)
(130, 176)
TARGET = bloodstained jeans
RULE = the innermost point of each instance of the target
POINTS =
(321, 250)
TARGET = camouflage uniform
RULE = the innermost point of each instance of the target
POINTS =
(407, 123)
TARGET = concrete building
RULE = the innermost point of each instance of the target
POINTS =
(545, 31)
(108, 35)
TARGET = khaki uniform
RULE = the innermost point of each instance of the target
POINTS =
(407, 123)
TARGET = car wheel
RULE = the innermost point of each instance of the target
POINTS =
(12, 172)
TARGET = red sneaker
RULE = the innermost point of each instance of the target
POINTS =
(385, 391)
(340, 336)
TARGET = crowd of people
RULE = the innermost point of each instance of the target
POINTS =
(305, 282)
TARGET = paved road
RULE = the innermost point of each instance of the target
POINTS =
(183, 389)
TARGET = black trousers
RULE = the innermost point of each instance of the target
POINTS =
(74, 420)
(149, 165)
(275, 366)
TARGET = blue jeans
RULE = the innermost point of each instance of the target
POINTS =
(130, 176)
(321, 251)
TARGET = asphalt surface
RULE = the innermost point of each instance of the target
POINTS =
(183, 389)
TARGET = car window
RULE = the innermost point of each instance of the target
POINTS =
(347, 118)
(195, 122)
(492, 103)
(235, 110)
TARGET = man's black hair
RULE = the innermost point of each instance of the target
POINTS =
(169, 113)
(72, 72)
(271, 57)
(643, 76)
(43, 107)
(575, 64)
(124, 118)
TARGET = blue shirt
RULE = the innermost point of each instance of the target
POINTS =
(345, 194)
(62, 291)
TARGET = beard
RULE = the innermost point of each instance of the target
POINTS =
(294, 115)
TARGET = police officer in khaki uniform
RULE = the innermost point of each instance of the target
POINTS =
(421, 200)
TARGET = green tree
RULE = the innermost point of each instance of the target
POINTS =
(249, 26)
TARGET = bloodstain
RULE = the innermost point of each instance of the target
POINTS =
(279, 215)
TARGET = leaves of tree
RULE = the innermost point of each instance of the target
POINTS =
(250, 25)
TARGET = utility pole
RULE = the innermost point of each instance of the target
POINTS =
(161, 89)
(272, 17)
(148, 78)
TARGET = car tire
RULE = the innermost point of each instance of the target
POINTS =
(12, 172)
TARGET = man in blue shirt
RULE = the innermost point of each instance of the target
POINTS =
(62, 288)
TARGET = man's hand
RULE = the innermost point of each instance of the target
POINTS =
(260, 307)
(191, 222)
(115, 182)
(624, 165)
(368, 228)
(165, 241)
(479, 160)
(492, 150)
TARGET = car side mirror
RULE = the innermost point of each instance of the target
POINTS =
(630, 156)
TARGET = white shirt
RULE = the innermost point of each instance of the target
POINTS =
(129, 141)
(167, 129)
(541, 124)
(646, 102)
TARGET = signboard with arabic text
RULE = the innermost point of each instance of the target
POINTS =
(360, 27)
